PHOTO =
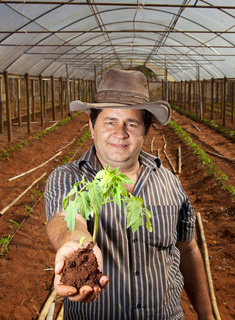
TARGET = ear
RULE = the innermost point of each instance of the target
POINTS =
(91, 129)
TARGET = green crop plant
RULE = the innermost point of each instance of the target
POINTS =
(4, 244)
(213, 170)
(107, 186)
(5, 155)
(28, 210)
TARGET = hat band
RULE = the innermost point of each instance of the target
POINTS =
(123, 97)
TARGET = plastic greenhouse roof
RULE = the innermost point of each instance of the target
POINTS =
(83, 38)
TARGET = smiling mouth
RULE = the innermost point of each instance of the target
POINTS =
(118, 145)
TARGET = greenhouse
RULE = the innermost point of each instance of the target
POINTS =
(55, 52)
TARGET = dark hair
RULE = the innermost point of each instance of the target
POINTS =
(147, 118)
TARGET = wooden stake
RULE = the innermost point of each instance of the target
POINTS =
(196, 127)
(208, 271)
(47, 306)
(151, 148)
(220, 156)
(21, 195)
(169, 161)
(179, 160)
(165, 144)
(158, 153)
(33, 169)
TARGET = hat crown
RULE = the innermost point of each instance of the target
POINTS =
(123, 86)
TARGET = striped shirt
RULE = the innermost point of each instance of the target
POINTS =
(143, 268)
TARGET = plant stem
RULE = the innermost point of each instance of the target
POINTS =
(95, 225)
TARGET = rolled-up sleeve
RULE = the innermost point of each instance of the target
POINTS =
(186, 222)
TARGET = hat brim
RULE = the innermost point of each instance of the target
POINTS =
(161, 110)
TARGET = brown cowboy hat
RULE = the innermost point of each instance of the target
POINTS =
(125, 89)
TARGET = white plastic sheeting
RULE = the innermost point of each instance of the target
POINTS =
(42, 37)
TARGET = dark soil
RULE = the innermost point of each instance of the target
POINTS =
(81, 269)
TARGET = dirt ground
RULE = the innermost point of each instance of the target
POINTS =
(26, 270)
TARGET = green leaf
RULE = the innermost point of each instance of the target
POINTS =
(70, 218)
(117, 193)
(83, 205)
(138, 222)
(95, 195)
(133, 209)
(124, 179)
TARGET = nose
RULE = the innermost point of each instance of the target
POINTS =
(121, 132)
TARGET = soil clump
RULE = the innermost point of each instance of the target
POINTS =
(81, 269)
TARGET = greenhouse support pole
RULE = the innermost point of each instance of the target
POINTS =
(74, 89)
(8, 111)
(194, 95)
(185, 94)
(18, 102)
(189, 95)
(212, 98)
(224, 100)
(205, 95)
(199, 93)
(41, 99)
(181, 94)
(1, 108)
(166, 82)
(53, 96)
(79, 90)
(202, 98)
(83, 91)
(61, 97)
(13, 97)
(33, 98)
(217, 92)
(95, 79)
(44, 97)
(233, 102)
(68, 88)
(28, 103)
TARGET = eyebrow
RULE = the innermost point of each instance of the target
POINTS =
(127, 120)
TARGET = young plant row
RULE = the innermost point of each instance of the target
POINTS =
(5, 241)
(15, 226)
(6, 154)
(210, 123)
(67, 158)
(212, 169)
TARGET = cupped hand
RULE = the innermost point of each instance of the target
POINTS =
(85, 293)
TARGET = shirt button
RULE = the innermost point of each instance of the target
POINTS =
(138, 306)
(137, 273)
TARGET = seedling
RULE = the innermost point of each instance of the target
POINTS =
(107, 186)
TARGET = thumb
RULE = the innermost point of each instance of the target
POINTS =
(59, 266)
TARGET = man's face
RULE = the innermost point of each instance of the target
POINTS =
(118, 137)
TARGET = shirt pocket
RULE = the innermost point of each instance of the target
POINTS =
(164, 223)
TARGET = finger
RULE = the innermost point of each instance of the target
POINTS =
(65, 291)
(104, 281)
(85, 294)
(59, 266)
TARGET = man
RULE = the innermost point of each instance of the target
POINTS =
(146, 271)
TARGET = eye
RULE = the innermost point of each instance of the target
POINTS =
(110, 123)
(132, 125)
